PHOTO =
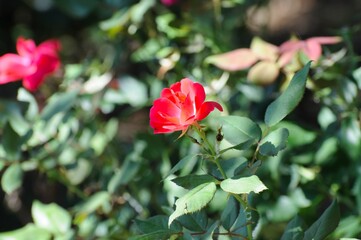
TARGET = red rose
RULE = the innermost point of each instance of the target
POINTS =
(32, 64)
(180, 106)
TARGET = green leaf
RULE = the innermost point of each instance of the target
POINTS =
(325, 225)
(123, 175)
(183, 162)
(349, 226)
(96, 201)
(191, 181)
(238, 130)
(243, 185)
(11, 142)
(289, 99)
(33, 108)
(294, 230)
(197, 221)
(160, 234)
(129, 168)
(16, 119)
(59, 102)
(194, 200)
(230, 213)
(157, 223)
(274, 142)
(326, 151)
(12, 178)
(357, 76)
(134, 91)
(30, 231)
(51, 217)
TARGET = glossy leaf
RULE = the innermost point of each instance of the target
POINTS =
(192, 181)
(230, 213)
(243, 185)
(12, 178)
(326, 224)
(238, 130)
(289, 99)
(196, 221)
(274, 142)
(294, 230)
(182, 163)
(157, 223)
(194, 200)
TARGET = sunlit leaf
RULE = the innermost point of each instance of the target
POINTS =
(26, 232)
(51, 217)
(12, 178)
(263, 73)
(33, 108)
(264, 50)
(243, 185)
(194, 200)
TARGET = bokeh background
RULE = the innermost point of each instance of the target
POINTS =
(94, 154)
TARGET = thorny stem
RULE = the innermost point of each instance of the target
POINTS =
(254, 157)
(210, 147)
(215, 157)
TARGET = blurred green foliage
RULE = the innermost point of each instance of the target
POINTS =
(78, 160)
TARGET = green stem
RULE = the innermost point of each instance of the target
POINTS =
(215, 157)
(210, 147)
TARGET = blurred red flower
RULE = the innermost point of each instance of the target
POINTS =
(32, 63)
(169, 2)
(180, 106)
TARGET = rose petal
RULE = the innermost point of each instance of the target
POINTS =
(207, 108)
(25, 47)
(14, 67)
